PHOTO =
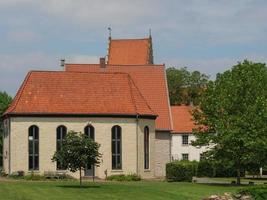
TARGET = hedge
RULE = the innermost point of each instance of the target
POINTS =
(181, 170)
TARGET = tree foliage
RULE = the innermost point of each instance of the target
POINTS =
(77, 152)
(5, 101)
(233, 116)
(185, 87)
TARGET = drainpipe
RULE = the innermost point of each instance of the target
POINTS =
(137, 145)
(9, 146)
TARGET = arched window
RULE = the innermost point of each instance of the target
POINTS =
(33, 148)
(61, 134)
(90, 132)
(146, 147)
(116, 147)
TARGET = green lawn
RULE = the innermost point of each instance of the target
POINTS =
(27, 190)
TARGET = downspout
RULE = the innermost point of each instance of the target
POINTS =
(137, 145)
(9, 146)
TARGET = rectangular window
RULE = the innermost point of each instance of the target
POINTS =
(201, 156)
(184, 139)
(116, 147)
(185, 156)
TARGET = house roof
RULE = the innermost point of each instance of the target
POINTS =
(130, 52)
(151, 81)
(182, 119)
(57, 92)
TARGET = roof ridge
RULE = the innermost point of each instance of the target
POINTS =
(141, 94)
(131, 92)
(76, 72)
(150, 65)
(130, 39)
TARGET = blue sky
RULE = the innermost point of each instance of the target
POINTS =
(205, 35)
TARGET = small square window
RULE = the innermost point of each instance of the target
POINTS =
(184, 139)
(185, 156)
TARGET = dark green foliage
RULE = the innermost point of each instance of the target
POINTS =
(233, 115)
(122, 177)
(185, 87)
(258, 192)
(205, 169)
(181, 170)
(78, 151)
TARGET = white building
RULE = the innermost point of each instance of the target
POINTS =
(182, 136)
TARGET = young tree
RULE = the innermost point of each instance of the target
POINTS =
(232, 115)
(185, 87)
(78, 151)
(5, 101)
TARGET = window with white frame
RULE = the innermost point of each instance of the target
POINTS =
(185, 156)
(185, 139)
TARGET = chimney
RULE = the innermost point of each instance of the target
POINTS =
(102, 62)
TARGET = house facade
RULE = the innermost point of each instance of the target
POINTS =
(121, 103)
(182, 136)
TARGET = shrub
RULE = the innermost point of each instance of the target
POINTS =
(258, 192)
(181, 170)
(205, 169)
(122, 177)
(34, 177)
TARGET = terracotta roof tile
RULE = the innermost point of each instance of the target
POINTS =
(182, 119)
(151, 81)
(129, 51)
(79, 93)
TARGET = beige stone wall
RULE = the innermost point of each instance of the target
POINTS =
(47, 142)
(162, 152)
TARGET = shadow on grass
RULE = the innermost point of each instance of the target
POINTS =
(223, 184)
(79, 187)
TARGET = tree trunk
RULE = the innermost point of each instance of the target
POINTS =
(238, 182)
(80, 177)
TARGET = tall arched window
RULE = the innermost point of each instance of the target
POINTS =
(146, 147)
(90, 132)
(61, 134)
(33, 148)
(116, 147)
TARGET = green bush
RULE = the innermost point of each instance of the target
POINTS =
(122, 177)
(34, 177)
(205, 169)
(181, 170)
(257, 192)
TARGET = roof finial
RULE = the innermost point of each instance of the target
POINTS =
(109, 29)
(150, 36)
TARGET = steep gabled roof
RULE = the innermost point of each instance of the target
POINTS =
(130, 52)
(51, 92)
(182, 119)
(151, 81)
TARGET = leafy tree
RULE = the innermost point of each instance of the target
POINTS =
(185, 87)
(5, 101)
(77, 152)
(232, 115)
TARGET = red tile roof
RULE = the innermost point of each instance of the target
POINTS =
(79, 93)
(182, 119)
(151, 81)
(130, 52)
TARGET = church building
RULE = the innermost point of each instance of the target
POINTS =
(121, 102)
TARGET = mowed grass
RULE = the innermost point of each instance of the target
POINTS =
(27, 190)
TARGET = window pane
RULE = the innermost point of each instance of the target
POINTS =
(30, 162)
(36, 147)
(30, 147)
(113, 147)
(36, 162)
(118, 148)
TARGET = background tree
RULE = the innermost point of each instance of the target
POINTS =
(5, 101)
(77, 152)
(233, 115)
(185, 87)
